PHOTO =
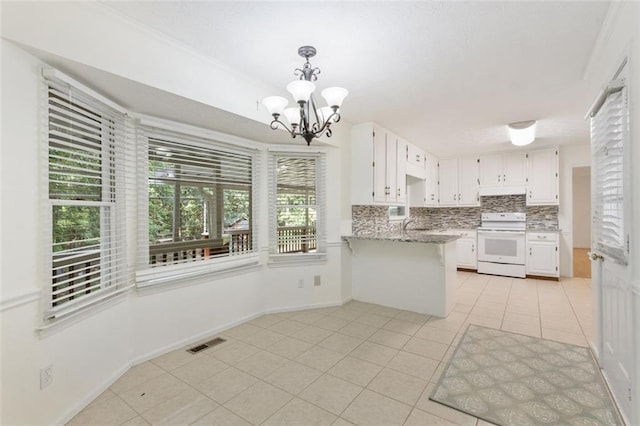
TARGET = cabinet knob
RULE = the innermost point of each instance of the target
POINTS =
(473, 248)
(504, 178)
(498, 178)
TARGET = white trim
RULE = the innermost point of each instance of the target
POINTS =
(194, 339)
(303, 307)
(284, 260)
(12, 302)
(300, 149)
(54, 75)
(173, 273)
(336, 243)
(84, 402)
(199, 132)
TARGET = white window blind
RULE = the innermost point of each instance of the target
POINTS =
(609, 150)
(84, 161)
(197, 197)
(297, 203)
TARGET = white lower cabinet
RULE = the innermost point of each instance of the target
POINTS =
(542, 254)
(466, 247)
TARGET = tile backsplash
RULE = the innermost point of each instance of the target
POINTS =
(371, 219)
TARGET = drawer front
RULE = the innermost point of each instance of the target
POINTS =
(551, 237)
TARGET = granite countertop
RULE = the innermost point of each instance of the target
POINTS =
(408, 236)
(541, 229)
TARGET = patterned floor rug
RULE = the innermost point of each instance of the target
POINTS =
(512, 379)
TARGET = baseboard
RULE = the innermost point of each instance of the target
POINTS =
(303, 307)
(544, 277)
(65, 418)
(193, 339)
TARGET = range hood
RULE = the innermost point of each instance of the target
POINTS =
(503, 190)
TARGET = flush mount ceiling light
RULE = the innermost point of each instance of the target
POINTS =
(306, 120)
(522, 132)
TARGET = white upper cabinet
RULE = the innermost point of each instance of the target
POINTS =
(431, 180)
(542, 185)
(459, 182)
(415, 161)
(501, 173)
(378, 166)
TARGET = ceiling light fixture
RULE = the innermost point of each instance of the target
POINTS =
(306, 120)
(523, 132)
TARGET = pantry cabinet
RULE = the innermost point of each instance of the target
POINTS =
(542, 254)
(378, 166)
(459, 182)
(542, 184)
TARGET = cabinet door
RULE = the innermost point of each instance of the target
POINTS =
(448, 176)
(466, 248)
(514, 169)
(543, 177)
(542, 259)
(392, 167)
(468, 182)
(490, 170)
(432, 181)
(379, 166)
(401, 171)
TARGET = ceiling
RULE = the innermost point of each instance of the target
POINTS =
(447, 76)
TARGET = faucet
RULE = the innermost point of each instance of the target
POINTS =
(406, 222)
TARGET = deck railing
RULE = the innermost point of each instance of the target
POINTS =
(74, 275)
(291, 239)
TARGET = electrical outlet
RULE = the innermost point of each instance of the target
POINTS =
(316, 280)
(46, 376)
(300, 283)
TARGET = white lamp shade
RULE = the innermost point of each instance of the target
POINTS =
(324, 113)
(334, 96)
(293, 115)
(522, 133)
(275, 104)
(301, 90)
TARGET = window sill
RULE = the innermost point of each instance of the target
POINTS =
(172, 274)
(277, 260)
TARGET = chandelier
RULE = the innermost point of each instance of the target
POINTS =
(306, 120)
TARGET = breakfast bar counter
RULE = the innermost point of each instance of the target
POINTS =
(411, 270)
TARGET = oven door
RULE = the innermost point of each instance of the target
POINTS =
(501, 247)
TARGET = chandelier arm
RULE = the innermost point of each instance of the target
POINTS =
(274, 126)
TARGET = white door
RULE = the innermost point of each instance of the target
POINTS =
(541, 259)
(392, 168)
(466, 248)
(616, 328)
(612, 216)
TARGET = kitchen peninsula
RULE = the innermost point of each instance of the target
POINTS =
(411, 270)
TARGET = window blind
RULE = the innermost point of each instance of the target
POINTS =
(297, 203)
(197, 198)
(609, 150)
(85, 177)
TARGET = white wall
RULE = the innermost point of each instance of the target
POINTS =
(90, 353)
(581, 210)
(570, 157)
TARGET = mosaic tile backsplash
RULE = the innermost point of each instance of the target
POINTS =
(371, 219)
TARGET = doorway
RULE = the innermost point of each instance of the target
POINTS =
(581, 221)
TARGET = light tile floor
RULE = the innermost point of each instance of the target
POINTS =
(360, 363)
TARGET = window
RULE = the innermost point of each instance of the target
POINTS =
(83, 144)
(609, 150)
(297, 204)
(198, 197)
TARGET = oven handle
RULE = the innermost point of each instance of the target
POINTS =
(518, 233)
